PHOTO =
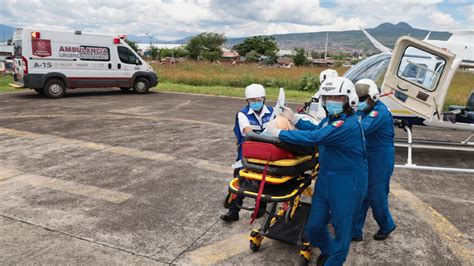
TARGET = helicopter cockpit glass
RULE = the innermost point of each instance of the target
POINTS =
(421, 68)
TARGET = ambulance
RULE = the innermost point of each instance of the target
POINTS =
(51, 62)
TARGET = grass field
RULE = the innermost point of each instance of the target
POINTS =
(4, 81)
(230, 80)
(272, 93)
(238, 75)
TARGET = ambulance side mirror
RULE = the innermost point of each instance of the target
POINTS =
(137, 61)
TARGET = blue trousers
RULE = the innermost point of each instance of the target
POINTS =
(338, 196)
(381, 165)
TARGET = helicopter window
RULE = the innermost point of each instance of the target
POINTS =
(373, 68)
(421, 68)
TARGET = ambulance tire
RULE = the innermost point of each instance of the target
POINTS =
(141, 86)
(54, 88)
(40, 91)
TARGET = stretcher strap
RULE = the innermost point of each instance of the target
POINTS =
(260, 191)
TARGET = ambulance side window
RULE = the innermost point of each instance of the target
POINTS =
(128, 57)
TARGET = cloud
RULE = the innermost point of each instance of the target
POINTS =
(171, 19)
(442, 20)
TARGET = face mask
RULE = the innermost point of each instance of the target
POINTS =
(363, 105)
(256, 106)
(334, 108)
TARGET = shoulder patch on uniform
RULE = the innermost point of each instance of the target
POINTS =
(373, 114)
(337, 123)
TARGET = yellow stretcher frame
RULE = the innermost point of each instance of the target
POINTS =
(284, 162)
(234, 189)
(247, 174)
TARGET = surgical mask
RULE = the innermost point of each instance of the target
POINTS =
(334, 108)
(256, 106)
(363, 105)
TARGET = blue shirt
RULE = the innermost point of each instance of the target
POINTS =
(340, 142)
(378, 127)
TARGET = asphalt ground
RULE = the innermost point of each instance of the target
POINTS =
(103, 177)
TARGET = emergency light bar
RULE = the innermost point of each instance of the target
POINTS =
(35, 35)
(116, 40)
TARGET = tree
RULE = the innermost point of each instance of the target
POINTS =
(132, 45)
(173, 52)
(154, 52)
(251, 56)
(206, 45)
(300, 57)
(263, 45)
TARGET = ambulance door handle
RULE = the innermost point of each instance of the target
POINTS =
(110, 66)
(119, 65)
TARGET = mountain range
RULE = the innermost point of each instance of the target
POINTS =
(351, 40)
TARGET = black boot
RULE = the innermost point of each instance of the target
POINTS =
(322, 259)
(230, 216)
(379, 236)
(357, 238)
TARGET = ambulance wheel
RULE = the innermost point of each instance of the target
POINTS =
(125, 89)
(40, 91)
(54, 88)
(141, 86)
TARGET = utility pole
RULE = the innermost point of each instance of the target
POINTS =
(326, 50)
(149, 38)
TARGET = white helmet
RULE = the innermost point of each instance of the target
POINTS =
(367, 87)
(254, 91)
(337, 86)
(328, 73)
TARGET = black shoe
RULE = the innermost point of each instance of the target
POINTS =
(379, 236)
(230, 217)
(321, 260)
(357, 239)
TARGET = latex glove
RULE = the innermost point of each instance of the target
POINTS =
(288, 113)
(272, 129)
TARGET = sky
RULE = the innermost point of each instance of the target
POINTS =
(175, 19)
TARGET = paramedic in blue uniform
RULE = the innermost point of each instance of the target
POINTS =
(341, 185)
(253, 117)
(377, 123)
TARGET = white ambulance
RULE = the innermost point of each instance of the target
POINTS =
(52, 61)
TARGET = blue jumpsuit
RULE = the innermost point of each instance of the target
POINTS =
(342, 181)
(379, 134)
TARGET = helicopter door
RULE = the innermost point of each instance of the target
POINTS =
(418, 77)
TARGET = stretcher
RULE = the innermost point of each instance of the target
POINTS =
(285, 181)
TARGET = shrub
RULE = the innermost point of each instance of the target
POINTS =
(308, 82)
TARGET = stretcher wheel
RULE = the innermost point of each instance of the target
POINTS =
(305, 255)
(254, 247)
(303, 261)
(255, 240)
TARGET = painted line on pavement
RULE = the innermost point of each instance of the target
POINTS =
(6, 173)
(117, 114)
(456, 241)
(72, 187)
(131, 152)
(222, 250)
